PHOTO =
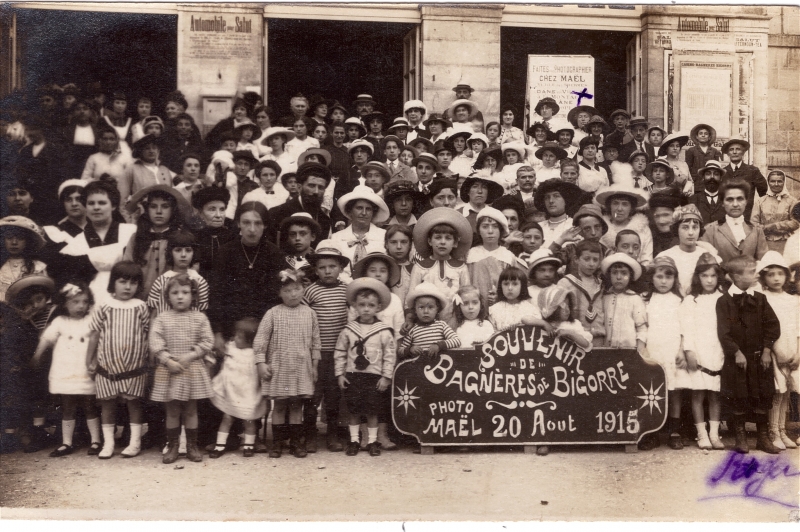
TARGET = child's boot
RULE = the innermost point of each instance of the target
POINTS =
(373, 445)
(713, 435)
(741, 434)
(675, 433)
(383, 438)
(298, 441)
(764, 443)
(332, 437)
(278, 435)
(171, 455)
(702, 437)
(787, 441)
(108, 442)
(192, 452)
(135, 446)
(353, 446)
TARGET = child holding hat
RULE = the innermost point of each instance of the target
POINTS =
(22, 239)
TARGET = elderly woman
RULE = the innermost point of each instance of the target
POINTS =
(146, 169)
(772, 212)
(366, 211)
(210, 204)
(733, 236)
(620, 204)
(90, 255)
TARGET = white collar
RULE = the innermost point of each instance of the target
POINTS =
(734, 221)
(735, 291)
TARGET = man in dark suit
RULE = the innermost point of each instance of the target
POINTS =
(638, 128)
(707, 198)
(739, 170)
(313, 179)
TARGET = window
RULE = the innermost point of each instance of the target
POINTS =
(633, 53)
(411, 64)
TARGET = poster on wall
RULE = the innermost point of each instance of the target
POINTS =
(568, 79)
(706, 96)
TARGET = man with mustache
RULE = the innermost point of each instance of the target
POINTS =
(707, 200)
(313, 179)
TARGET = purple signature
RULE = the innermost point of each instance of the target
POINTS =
(745, 476)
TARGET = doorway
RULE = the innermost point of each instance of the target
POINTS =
(336, 59)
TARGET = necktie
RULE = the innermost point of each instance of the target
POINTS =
(361, 248)
(636, 182)
(425, 189)
(712, 199)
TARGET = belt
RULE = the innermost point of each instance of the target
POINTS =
(708, 371)
(121, 376)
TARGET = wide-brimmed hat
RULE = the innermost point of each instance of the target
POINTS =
(663, 261)
(252, 127)
(570, 192)
(662, 162)
(479, 136)
(26, 223)
(638, 121)
(680, 137)
(712, 133)
(495, 189)
(337, 105)
(458, 103)
(661, 129)
(209, 194)
(549, 101)
(379, 166)
(327, 249)
(465, 134)
(398, 123)
(428, 158)
(573, 113)
(670, 198)
(542, 256)
(743, 143)
(437, 117)
(71, 183)
(140, 144)
(361, 143)
(360, 267)
(364, 98)
(616, 112)
(441, 183)
(597, 119)
(246, 155)
(425, 289)
(318, 100)
(363, 192)
(325, 155)
(637, 196)
(26, 282)
(568, 129)
(443, 215)
(400, 188)
(531, 131)
(510, 201)
(627, 260)
(415, 104)
(362, 283)
(271, 132)
(711, 165)
(461, 86)
(395, 138)
(374, 115)
(772, 258)
(592, 210)
(301, 218)
(558, 151)
(517, 146)
(497, 216)
(550, 298)
(355, 121)
(183, 205)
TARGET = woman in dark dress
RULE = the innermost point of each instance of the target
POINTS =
(210, 204)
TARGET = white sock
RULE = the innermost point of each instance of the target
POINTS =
(249, 439)
(135, 445)
(94, 429)
(354, 432)
(108, 441)
(714, 430)
(373, 434)
(67, 430)
(182, 441)
(222, 438)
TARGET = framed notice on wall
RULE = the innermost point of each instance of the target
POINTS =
(706, 96)
(561, 77)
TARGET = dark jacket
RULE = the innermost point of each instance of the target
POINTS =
(710, 213)
(751, 174)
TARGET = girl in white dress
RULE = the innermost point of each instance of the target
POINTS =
(68, 335)
(472, 315)
(699, 367)
(514, 304)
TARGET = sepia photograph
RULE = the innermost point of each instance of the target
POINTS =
(399, 263)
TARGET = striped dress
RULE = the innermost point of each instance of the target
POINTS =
(330, 305)
(288, 340)
(173, 335)
(158, 300)
(122, 347)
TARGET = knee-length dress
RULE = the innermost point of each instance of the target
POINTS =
(68, 372)
(698, 316)
(787, 307)
(237, 387)
(179, 333)
(664, 332)
(122, 347)
(288, 340)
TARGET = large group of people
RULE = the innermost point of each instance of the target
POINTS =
(183, 287)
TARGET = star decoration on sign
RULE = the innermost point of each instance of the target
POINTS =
(650, 397)
(406, 397)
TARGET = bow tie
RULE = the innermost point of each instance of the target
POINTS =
(744, 299)
(357, 241)
(270, 192)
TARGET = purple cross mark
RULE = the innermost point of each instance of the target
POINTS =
(583, 94)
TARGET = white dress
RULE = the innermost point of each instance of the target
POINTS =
(787, 307)
(237, 387)
(505, 315)
(698, 321)
(664, 332)
(472, 331)
(68, 372)
(686, 262)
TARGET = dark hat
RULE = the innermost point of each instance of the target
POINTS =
(245, 154)
(442, 145)
(662, 162)
(638, 121)
(549, 101)
(374, 115)
(465, 134)
(615, 145)
(671, 198)
(585, 141)
(427, 142)
(251, 98)
(395, 138)
(440, 183)
(712, 133)
(177, 97)
(510, 201)
(496, 190)
(209, 194)
(183, 205)
(743, 143)
(119, 96)
(559, 152)
(140, 144)
(597, 119)
(622, 112)
(316, 100)
(306, 170)
(337, 105)
(572, 116)
(428, 158)
(571, 194)
(252, 127)
(437, 117)
(531, 131)
(463, 86)
(228, 135)
(401, 187)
